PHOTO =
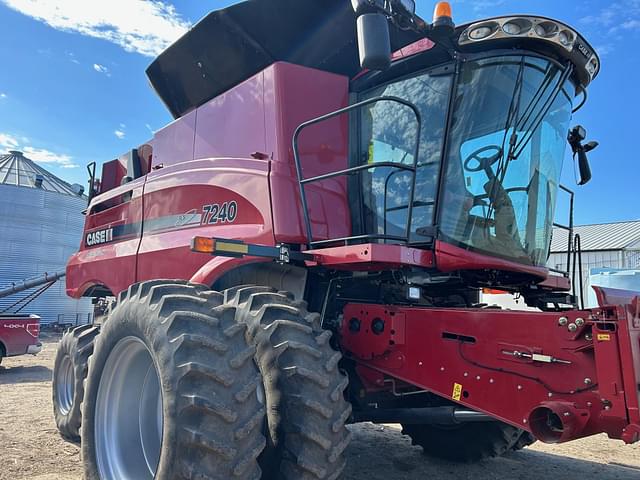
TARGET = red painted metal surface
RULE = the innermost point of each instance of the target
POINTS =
(111, 264)
(300, 94)
(233, 124)
(151, 232)
(467, 355)
(112, 173)
(371, 256)
(174, 143)
(450, 258)
(18, 333)
(556, 283)
(164, 248)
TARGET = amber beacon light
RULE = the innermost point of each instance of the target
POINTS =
(442, 15)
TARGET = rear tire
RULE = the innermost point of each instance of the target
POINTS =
(469, 442)
(524, 441)
(69, 372)
(304, 389)
(172, 391)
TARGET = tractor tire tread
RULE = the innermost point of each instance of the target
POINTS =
(77, 343)
(306, 408)
(209, 376)
(468, 443)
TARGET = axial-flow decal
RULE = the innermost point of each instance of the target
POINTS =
(226, 212)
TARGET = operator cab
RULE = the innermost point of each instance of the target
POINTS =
(488, 109)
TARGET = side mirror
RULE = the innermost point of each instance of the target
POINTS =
(374, 44)
(575, 138)
(584, 169)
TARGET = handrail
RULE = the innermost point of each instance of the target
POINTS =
(302, 181)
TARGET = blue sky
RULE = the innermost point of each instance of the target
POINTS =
(73, 88)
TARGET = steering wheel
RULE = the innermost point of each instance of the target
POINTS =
(483, 163)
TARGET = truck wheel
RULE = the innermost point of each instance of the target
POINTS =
(173, 390)
(69, 372)
(304, 389)
(469, 442)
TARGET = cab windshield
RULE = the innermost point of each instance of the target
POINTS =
(506, 142)
(506, 145)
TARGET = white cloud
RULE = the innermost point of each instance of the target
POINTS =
(143, 26)
(3, 95)
(72, 57)
(604, 50)
(609, 26)
(623, 14)
(481, 6)
(119, 133)
(40, 155)
(631, 25)
(8, 142)
(101, 69)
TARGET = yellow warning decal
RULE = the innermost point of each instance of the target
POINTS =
(457, 391)
(604, 337)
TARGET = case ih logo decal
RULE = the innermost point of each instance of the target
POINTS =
(584, 50)
(99, 237)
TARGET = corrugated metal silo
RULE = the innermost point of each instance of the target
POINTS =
(41, 225)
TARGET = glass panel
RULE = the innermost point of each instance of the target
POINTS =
(507, 144)
(387, 134)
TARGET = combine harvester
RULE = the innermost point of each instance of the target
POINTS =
(328, 212)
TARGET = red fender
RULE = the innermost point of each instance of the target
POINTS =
(218, 266)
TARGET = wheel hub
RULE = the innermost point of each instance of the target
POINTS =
(65, 385)
(128, 414)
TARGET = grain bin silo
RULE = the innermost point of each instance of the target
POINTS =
(41, 225)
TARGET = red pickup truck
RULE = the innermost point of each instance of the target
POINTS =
(19, 335)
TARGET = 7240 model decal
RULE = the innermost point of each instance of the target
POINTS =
(216, 213)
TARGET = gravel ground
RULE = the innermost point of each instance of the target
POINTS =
(30, 447)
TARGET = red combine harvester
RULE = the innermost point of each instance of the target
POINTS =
(331, 211)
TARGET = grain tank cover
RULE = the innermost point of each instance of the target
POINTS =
(228, 46)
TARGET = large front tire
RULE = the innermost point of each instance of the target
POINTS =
(306, 408)
(173, 391)
(69, 372)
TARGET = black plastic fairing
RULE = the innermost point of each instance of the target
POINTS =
(228, 46)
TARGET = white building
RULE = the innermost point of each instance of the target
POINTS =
(41, 224)
(604, 245)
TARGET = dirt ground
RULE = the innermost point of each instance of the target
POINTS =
(30, 447)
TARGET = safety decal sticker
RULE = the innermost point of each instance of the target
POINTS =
(457, 391)
(603, 337)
